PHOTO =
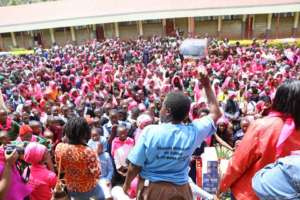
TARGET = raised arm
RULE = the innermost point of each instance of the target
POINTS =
(215, 112)
(6, 176)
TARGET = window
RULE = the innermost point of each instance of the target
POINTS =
(152, 21)
(128, 23)
(80, 27)
(237, 17)
(227, 17)
(5, 35)
(289, 14)
(206, 18)
(59, 29)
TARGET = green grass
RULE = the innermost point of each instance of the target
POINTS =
(18, 52)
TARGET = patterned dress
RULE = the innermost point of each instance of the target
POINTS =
(80, 165)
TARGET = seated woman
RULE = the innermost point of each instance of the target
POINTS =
(79, 162)
(223, 135)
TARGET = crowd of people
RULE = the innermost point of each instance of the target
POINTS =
(105, 118)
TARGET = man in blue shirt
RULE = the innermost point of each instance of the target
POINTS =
(280, 180)
(163, 152)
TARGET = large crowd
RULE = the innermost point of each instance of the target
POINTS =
(61, 105)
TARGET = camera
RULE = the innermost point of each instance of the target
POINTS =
(11, 147)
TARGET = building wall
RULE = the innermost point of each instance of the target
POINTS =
(297, 32)
(282, 29)
(182, 25)
(46, 38)
(63, 37)
(260, 26)
(151, 29)
(109, 31)
(128, 31)
(24, 40)
(231, 29)
(7, 42)
(60, 37)
(1, 43)
(82, 35)
(202, 27)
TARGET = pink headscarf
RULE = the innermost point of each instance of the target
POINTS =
(287, 129)
(223, 120)
(143, 120)
(132, 105)
(34, 153)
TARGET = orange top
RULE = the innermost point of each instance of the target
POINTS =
(256, 150)
(80, 165)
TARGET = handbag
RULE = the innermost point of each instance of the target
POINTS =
(59, 192)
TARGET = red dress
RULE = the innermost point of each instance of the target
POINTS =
(256, 150)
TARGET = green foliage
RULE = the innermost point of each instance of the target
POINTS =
(223, 152)
(19, 2)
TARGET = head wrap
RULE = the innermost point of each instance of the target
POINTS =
(143, 120)
(223, 120)
(34, 153)
(24, 129)
(287, 129)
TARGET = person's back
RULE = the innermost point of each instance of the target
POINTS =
(170, 145)
(266, 140)
(257, 149)
(41, 181)
(80, 165)
(162, 155)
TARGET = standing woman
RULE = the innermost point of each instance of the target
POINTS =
(163, 152)
(266, 140)
(79, 162)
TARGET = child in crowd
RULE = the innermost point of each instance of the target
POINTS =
(36, 127)
(26, 134)
(96, 138)
(97, 143)
(121, 140)
(41, 179)
(142, 121)
(121, 146)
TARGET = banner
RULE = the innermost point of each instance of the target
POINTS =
(194, 48)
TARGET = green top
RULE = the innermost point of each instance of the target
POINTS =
(13, 131)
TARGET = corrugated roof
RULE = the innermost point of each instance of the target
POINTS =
(81, 12)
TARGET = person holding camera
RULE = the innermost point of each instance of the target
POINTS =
(12, 186)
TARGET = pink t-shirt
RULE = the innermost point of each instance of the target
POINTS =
(137, 134)
(17, 189)
(117, 143)
(41, 180)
